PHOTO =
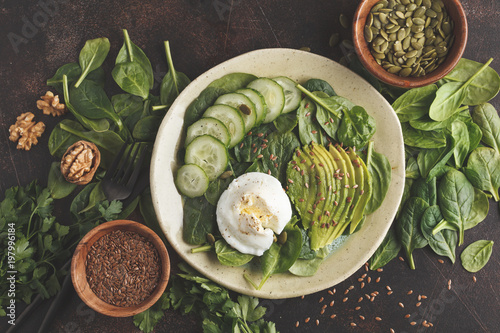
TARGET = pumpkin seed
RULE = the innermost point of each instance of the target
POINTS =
(377, 7)
(427, 3)
(406, 43)
(369, 20)
(436, 7)
(382, 17)
(344, 22)
(411, 7)
(378, 55)
(368, 34)
(347, 44)
(418, 21)
(401, 34)
(400, 14)
(394, 69)
(419, 12)
(384, 34)
(405, 72)
(282, 237)
(411, 54)
(405, 2)
(418, 2)
(335, 38)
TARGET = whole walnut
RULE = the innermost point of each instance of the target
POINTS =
(80, 162)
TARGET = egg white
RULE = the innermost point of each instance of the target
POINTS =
(251, 210)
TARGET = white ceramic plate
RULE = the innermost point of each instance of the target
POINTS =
(300, 66)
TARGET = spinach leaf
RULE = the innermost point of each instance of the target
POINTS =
(483, 170)
(309, 267)
(286, 122)
(455, 198)
(406, 195)
(475, 135)
(252, 145)
(215, 189)
(146, 128)
(309, 130)
(229, 256)
(126, 104)
(451, 95)
(60, 140)
(132, 53)
(279, 258)
(412, 171)
(380, 170)
(97, 125)
(425, 123)
(482, 88)
(328, 121)
(479, 210)
(199, 220)
(425, 189)
(356, 128)
(387, 251)
(306, 252)
(81, 201)
(92, 55)
(107, 140)
(207, 98)
(173, 82)
(486, 117)
(414, 103)
(132, 78)
(408, 227)
(73, 71)
(232, 82)
(422, 139)
(319, 85)
(58, 186)
(91, 101)
(476, 255)
(432, 162)
(460, 134)
(278, 153)
(444, 242)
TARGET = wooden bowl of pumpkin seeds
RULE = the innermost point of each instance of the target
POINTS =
(410, 43)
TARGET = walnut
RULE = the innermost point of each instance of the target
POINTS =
(26, 131)
(50, 105)
(80, 162)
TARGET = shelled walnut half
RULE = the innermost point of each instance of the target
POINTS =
(50, 105)
(26, 131)
(80, 162)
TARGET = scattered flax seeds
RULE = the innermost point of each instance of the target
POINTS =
(418, 304)
(380, 269)
(378, 319)
(401, 258)
(441, 261)
(353, 324)
(369, 279)
(409, 292)
(333, 316)
(322, 311)
(362, 285)
(307, 319)
(358, 308)
(388, 288)
(317, 322)
(360, 299)
(393, 331)
(378, 279)
(407, 316)
(474, 278)
(345, 299)
(413, 323)
(332, 302)
(321, 299)
(401, 304)
(297, 324)
(449, 284)
(389, 292)
(361, 317)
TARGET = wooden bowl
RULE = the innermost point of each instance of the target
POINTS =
(455, 11)
(78, 267)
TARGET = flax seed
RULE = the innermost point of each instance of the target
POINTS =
(297, 324)
(413, 323)
(321, 299)
(353, 324)
(441, 261)
(380, 269)
(360, 299)
(418, 304)
(332, 302)
(307, 319)
(378, 279)
(378, 319)
(361, 317)
(388, 288)
(369, 279)
(424, 297)
(330, 292)
(317, 322)
(392, 331)
(357, 308)
(345, 299)
(322, 311)
(474, 278)
(401, 258)
(407, 316)
(409, 292)
(401, 304)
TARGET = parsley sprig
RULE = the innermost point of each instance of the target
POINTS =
(190, 292)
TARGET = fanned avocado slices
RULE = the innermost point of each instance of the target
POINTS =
(330, 189)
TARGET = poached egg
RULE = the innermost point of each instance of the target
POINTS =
(251, 210)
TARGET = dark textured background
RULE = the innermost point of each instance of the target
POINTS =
(204, 33)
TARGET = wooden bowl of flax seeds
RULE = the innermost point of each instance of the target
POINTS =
(120, 268)
(409, 43)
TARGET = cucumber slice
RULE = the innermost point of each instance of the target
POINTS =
(292, 93)
(231, 118)
(243, 104)
(259, 102)
(209, 154)
(210, 126)
(191, 180)
(273, 95)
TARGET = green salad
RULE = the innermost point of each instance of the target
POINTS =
(315, 143)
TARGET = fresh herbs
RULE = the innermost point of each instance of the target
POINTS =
(190, 292)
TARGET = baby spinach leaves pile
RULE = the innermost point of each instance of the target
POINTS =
(193, 293)
(36, 244)
(451, 137)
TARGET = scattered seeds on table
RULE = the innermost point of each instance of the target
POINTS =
(344, 21)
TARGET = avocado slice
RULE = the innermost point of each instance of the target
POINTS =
(364, 194)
